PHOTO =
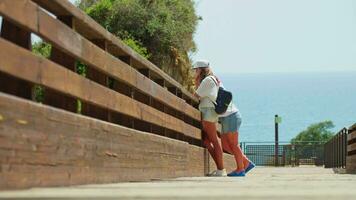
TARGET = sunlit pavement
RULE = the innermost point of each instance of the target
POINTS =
(261, 183)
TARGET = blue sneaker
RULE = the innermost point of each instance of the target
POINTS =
(250, 166)
(235, 173)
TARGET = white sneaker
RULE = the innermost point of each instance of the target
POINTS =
(218, 173)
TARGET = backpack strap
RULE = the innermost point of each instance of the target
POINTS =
(215, 81)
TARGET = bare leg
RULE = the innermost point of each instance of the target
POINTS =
(210, 130)
(225, 145)
(210, 148)
(231, 141)
(246, 161)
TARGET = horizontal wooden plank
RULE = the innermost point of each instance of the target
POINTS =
(74, 149)
(15, 9)
(45, 72)
(75, 45)
(351, 147)
(352, 128)
(351, 164)
(92, 30)
(351, 135)
(196, 161)
(68, 149)
(65, 8)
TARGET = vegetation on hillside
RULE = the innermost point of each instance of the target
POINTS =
(161, 31)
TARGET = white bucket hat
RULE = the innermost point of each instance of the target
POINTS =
(201, 64)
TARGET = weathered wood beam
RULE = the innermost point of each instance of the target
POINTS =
(89, 29)
(42, 71)
(21, 37)
(53, 150)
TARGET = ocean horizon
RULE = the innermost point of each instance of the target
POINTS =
(300, 98)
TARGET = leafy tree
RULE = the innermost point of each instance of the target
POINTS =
(159, 30)
(41, 49)
(137, 46)
(315, 133)
(309, 143)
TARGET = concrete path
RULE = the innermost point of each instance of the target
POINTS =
(263, 183)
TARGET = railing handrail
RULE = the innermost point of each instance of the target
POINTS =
(352, 128)
(61, 7)
(30, 17)
(336, 150)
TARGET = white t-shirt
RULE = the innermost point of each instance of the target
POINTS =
(207, 91)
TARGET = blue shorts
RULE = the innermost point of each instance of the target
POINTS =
(230, 123)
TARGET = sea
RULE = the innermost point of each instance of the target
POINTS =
(300, 99)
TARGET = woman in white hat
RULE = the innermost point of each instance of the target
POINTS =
(206, 91)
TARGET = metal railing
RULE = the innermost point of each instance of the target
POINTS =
(289, 154)
(336, 150)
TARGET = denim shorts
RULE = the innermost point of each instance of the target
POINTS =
(209, 114)
(230, 123)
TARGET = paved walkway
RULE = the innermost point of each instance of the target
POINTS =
(263, 183)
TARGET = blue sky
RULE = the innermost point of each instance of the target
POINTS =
(240, 36)
(256, 36)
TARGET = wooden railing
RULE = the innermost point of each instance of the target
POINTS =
(91, 30)
(140, 95)
(335, 150)
(340, 151)
(351, 150)
(135, 122)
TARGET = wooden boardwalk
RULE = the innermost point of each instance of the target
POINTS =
(262, 183)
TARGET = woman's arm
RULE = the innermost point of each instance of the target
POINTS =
(205, 88)
(196, 84)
